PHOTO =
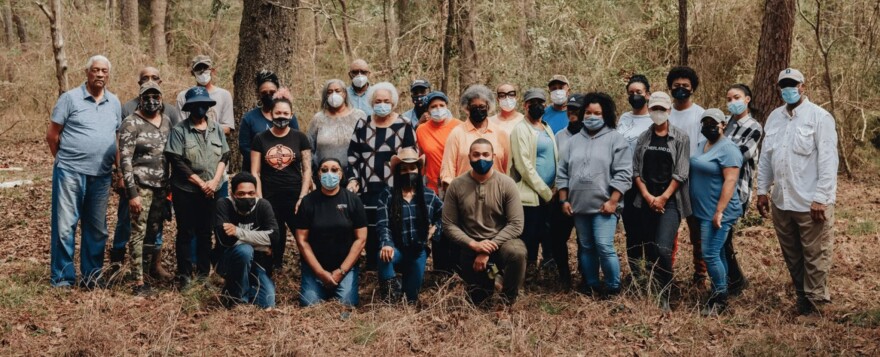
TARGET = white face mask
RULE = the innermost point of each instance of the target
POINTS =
(507, 104)
(359, 81)
(335, 100)
(659, 117)
(558, 96)
(439, 114)
(204, 78)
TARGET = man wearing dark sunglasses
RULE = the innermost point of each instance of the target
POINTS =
(359, 72)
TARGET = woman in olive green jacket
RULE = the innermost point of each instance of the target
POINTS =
(532, 165)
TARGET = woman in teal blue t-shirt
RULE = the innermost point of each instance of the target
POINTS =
(713, 176)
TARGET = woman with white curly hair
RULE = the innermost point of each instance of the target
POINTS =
(374, 141)
(477, 100)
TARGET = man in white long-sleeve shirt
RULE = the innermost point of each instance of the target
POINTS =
(245, 227)
(800, 162)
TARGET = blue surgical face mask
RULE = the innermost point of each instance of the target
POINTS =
(593, 123)
(481, 166)
(329, 180)
(736, 107)
(791, 95)
(382, 109)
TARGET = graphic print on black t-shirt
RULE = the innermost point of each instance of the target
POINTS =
(280, 156)
(658, 165)
(281, 167)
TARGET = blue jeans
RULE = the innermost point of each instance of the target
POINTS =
(713, 253)
(312, 291)
(412, 265)
(595, 233)
(78, 197)
(246, 280)
(123, 225)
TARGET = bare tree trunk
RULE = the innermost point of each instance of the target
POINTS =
(683, 32)
(112, 12)
(403, 21)
(344, 16)
(774, 54)
(169, 23)
(54, 16)
(21, 30)
(468, 65)
(266, 41)
(130, 30)
(8, 28)
(157, 29)
(529, 10)
(448, 44)
(388, 57)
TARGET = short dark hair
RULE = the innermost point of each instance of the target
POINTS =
(482, 141)
(683, 72)
(240, 178)
(639, 78)
(609, 110)
(328, 159)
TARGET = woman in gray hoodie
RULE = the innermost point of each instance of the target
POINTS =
(593, 173)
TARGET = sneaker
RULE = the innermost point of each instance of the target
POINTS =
(143, 290)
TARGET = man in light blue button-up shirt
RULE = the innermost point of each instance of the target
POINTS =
(82, 138)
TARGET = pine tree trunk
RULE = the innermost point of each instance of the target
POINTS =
(682, 32)
(469, 65)
(129, 22)
(266, 38)
(448, 44)
(774, 55)
(403, 22)
(8, 28)
(157, 29)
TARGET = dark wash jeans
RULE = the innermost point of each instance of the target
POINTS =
(658, 233)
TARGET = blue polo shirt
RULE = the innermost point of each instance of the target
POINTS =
(88, 139)
(360, 101)
(557, 119)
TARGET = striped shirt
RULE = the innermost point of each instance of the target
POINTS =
(410, 237)
(745, 133)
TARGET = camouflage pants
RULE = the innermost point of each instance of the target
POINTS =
(144, 227)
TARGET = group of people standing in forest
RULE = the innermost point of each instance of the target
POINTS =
(492, 197)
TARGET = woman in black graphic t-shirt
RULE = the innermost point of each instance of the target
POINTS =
(281, 160)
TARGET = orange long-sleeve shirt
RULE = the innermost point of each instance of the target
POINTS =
(432, 139)
(455, 154)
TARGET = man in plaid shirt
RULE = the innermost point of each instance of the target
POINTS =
(745, 132)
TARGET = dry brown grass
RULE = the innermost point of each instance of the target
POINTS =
(596, 43)
(37, 319)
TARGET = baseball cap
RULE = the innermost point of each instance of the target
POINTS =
(201, 59)
(715, 114)
(791, 73)
(419, 83)
(535, 93)
(149, 86)
(575, 101)
(660, 99)
(557, 78)
(197, 95)
(435, 95)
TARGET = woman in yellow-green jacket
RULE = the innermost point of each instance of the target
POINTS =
(532, 165)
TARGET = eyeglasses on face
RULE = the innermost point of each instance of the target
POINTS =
(503, 95)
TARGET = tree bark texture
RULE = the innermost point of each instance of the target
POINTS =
(683, 32)
(54, 14)
(129, 22)
(157, 29)
(774, 55)
(266, 38)
(469, 65)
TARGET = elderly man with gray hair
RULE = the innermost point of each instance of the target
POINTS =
(82, 139)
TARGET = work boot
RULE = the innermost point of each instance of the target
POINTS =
(716, 305)
(156, 270)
